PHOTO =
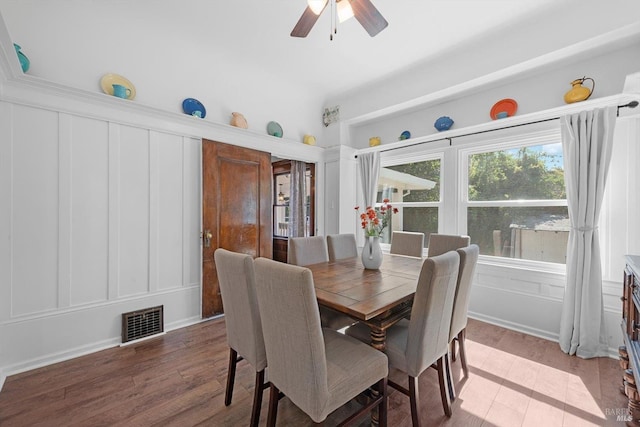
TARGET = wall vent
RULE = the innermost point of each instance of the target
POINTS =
(142, 323)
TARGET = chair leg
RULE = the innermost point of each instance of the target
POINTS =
(444, 389)
(463, 354)
(273, 405)
(257, 398)
(382, 408)
(453, 350)
(231, 376)
(413, 400)
(450, 385)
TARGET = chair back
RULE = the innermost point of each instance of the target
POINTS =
(307, 250)
(443, 243)
(236, 279)
(407, 243)
(468, 261)
(341, 246)
(430, 322)
(292, 333)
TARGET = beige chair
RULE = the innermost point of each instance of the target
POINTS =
(244, 330)
(407, 243)
(313, 250)
(318, 369)
(414, 345)
(468, 261)
(341, 246)
(307, 250)
(443, 243)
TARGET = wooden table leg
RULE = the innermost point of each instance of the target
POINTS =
(378, 341)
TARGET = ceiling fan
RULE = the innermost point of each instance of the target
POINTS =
(363, 10)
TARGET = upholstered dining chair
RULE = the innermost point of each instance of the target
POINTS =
(414, 345)
(318, 369)
(407, 243)
(236, 279)
(443, 243)
(313, 250)
(307, 250)
(468, 260)
(341, 246)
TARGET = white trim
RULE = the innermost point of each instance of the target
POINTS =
(52, 358)
(593, 46)
(139, 340)
(128, 299)
(525, 119)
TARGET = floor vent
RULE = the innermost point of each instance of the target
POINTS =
(142, 323)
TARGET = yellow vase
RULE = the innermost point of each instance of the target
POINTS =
(579, 92)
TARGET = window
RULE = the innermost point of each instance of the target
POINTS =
(514, 200)
(504, 188)
(413, 188)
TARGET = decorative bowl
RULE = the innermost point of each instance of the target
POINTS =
(443, 123)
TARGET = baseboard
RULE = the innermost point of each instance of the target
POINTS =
(31, 364)
(550, 336)
(612, 353)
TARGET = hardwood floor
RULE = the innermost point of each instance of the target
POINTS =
(178, 380)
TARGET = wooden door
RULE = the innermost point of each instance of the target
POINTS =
(236, 210)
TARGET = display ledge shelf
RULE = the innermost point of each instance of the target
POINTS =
(509, 122)
(39, 93)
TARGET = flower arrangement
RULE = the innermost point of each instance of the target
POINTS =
(374, 220)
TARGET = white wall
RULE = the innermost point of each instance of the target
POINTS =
(541, 91)
(165, 65)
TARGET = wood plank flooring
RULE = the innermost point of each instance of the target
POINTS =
(178, 380)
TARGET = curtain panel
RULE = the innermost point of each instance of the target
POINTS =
(369, 164)
(587, 139)
(297, 202)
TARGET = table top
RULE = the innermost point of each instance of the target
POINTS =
(346, 286)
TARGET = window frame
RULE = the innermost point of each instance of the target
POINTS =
(401, 158)
(453, 204)
(489, 144)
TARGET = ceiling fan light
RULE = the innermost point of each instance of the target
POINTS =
(344, 10)
(316, 6)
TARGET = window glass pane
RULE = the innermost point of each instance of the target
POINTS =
(419, 219)
(534, 233)
(281, 220)
(525, 173)
(411, 182)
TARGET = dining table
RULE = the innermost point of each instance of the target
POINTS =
(379, 298)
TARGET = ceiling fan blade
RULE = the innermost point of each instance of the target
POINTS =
(368, 16)
(305, 23)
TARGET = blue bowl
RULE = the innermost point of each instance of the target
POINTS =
(405, 135)
(443, 123)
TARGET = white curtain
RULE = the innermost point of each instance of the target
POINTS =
(587, 139)
(297, 199)
(369, 164)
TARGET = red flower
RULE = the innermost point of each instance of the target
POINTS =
(374, 220)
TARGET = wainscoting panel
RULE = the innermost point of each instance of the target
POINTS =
(89, 210)
(168, 185)
(98, 218)
(133, 217)
(191, 211)
(35, 210)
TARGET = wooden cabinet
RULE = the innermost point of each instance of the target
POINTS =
(630, 351)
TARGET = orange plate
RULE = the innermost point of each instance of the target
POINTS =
(509, 105)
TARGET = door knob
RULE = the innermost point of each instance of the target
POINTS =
(206, 237)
